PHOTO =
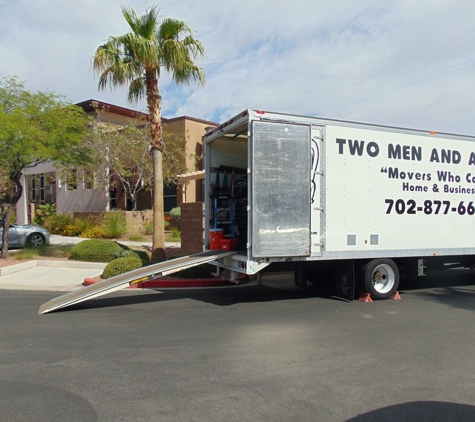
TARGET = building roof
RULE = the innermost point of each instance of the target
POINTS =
(91, 105)
(195, 175)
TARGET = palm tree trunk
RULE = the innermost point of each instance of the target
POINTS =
(154, 101)
(158, 238)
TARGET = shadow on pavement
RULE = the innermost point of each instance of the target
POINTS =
(220, 297)
(454, 288)
(421, 411)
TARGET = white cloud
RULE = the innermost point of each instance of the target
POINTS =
(397, 62)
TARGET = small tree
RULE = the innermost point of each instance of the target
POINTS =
(34, 128)
(122, 155)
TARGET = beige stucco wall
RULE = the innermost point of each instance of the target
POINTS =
(194, 131)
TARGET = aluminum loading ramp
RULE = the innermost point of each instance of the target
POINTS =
(151, 272)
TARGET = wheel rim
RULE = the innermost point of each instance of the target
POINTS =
(383, 278)
(36, 240)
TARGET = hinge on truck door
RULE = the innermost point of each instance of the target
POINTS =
(421, 267)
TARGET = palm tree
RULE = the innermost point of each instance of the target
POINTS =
(136, 60)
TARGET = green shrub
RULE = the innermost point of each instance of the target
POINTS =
(43, 212)
(126, 253)
(148, 229)
(113, 224)
(121, 265)
(96, 250)
(56, 223)
(175, 215)
(93, 233)
(174, 236)
(83, 224)
(142, 255)
(71, 230)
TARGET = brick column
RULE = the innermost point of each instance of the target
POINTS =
(192, 227)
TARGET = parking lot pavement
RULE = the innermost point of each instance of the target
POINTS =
(266, 353)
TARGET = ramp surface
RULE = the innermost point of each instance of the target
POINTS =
(121, 281)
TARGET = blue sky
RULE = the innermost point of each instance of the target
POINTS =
(401, 62)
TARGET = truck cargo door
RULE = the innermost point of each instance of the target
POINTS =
(280, 189)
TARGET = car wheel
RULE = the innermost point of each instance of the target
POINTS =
(35, 240)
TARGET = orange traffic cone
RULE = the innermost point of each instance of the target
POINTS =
(396, 296)
(365, 297)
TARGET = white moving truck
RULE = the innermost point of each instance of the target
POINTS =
(333, 201)
(363, 201)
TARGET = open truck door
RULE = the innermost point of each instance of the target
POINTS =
(280, 189)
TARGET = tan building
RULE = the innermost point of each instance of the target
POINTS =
(42, 185)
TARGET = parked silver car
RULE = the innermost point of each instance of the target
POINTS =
(20, 236)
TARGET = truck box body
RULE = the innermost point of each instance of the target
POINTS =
(336, 202)
(321, 190)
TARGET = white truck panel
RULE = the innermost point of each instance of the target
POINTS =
(397, 191)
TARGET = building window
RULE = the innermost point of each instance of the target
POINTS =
(89, 180)
(32, 193)
(169, 197)
(113, 199)
(41, 188)
(71, 180)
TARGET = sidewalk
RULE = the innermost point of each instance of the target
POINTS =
(56, 275)
(48, 275)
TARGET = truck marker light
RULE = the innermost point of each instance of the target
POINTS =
(433, 133)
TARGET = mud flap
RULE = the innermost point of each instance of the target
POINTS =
(345, 281)
(300, 278)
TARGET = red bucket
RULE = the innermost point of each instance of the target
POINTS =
(215, 236)
(228, 244)
(225, 244)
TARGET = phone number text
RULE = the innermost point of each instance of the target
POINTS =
(401, 206)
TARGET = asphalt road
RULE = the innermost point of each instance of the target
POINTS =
(264, 353)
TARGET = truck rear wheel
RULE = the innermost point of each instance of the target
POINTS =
(380, 278)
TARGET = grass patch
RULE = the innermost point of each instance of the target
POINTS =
(52, 251)
(137, 238)
(173, 236)
(113, 225)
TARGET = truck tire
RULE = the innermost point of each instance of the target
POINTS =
(380, 278)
